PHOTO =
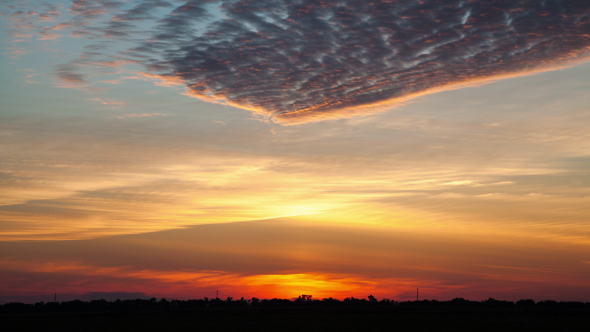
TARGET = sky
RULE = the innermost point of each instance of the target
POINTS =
(166, 148)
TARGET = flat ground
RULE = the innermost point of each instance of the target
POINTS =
(306, 319)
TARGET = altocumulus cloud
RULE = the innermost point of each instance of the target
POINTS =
(300, 60)
(303, 60)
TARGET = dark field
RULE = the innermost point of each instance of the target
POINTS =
(306, 319)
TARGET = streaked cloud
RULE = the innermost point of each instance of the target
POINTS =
(458, 183)
(289, 257)
(143, 115)
(92, 172)
(109, 103)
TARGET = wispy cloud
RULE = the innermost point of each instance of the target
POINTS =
(15, 52)
(109, 103)
(458, 183)
(69, 77)
(163, 80)
(17, 35)
(143, 115)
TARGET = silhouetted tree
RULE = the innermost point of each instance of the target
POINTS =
(254, 302)
(525, 303)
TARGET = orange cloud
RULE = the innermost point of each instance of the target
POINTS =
(164, 80)
(311, 114)
(188, 281)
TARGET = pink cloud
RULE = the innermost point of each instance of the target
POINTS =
(16, 53)
(117, 81)
(60, 26)
(17, 34)
(48, 36)
(29, 79)
(50, 14)
(109, 103)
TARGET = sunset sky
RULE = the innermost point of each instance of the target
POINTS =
(273, 148)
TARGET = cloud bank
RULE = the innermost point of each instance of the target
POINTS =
(300, 60)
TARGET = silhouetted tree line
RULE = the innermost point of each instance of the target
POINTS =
(371, 301)
(493, 303)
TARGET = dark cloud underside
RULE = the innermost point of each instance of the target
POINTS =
(300, 59)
